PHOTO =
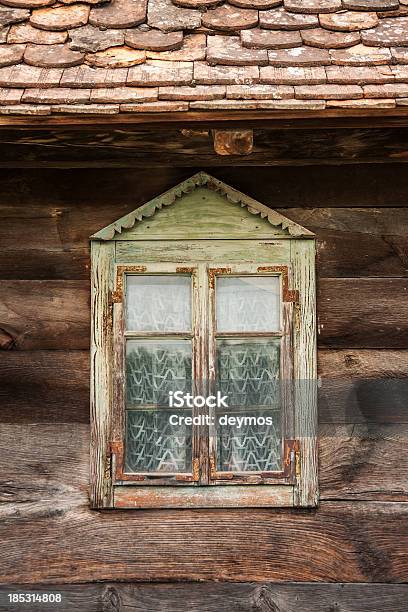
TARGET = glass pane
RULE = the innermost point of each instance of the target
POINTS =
(153, 369)
(248, 371)
(249, 437)
(160, 303)
(156, 367)
(153, 444)
(248, 303)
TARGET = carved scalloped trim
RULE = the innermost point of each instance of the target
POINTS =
(198, 180)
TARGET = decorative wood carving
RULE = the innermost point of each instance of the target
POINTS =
(199, 180)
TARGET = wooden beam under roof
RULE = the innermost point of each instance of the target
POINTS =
(183, 145)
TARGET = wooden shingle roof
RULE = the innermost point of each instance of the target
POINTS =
(129, 56)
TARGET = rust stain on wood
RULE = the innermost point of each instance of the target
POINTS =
(291, 460)
(117, 451)
(213, 272)
(233, 142)
(185, 270)
(117, 295)
(195, 476)
(288, 295)
(196, 469)
(184, 478)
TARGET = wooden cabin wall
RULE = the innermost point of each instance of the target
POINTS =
(349, 554)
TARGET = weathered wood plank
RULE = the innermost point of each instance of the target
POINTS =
(305, 368)
(54, 234)
(352, 313)
(366, 313)
(357, 241)
(221, 497)
(44, 386)
(53, 386)
(263, 597)
(218, 597)
(319, 119)
(232, 251)
(340, 541)
(181, 146)
(44, 263)
(360, 462)
(90, 190)
(46, 314)
(363, 386)
(41, 462)
(320, 187)
(102, 285)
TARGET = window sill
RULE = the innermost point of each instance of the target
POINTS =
(237, 496)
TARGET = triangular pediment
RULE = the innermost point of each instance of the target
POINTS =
(202, 207)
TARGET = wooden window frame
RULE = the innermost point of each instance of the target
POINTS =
(111, 487)
(290, 449)
(203, 345)
(119, 343)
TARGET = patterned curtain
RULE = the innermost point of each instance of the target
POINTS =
(153, 368)
(248, 373)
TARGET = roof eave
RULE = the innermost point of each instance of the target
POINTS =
(322, 119)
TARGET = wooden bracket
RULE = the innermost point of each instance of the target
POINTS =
(233, 142)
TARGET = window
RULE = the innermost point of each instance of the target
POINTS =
(203, 359)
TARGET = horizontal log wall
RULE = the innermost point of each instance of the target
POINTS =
(52, 536)
(243, 597)
(45, 221)
(357, 535)
(53, 386)
(352, 313)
